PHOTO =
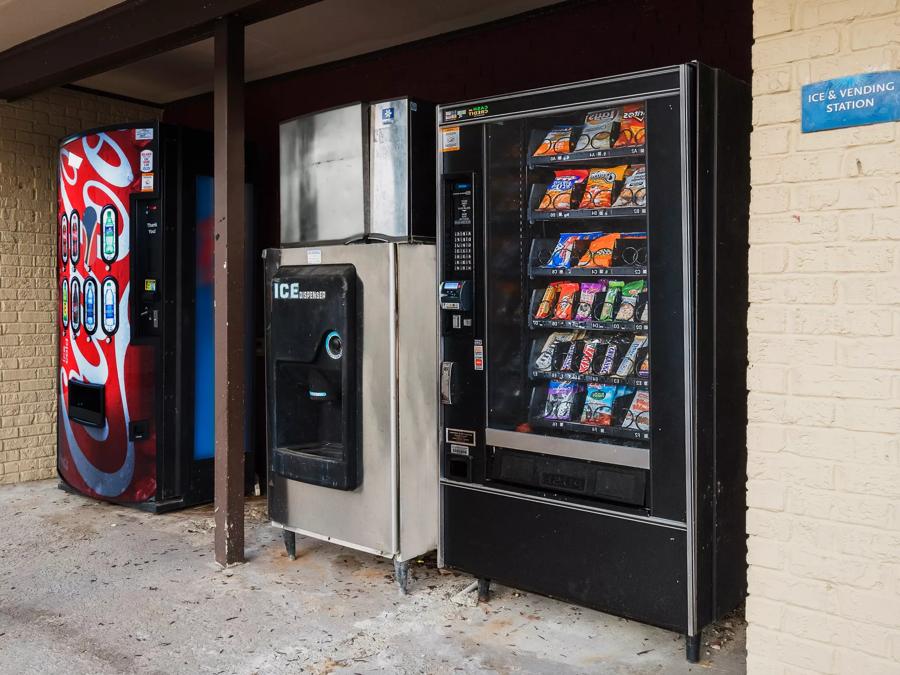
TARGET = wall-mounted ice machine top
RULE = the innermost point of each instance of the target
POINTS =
(314, 367)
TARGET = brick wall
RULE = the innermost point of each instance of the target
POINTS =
(29, 132)
(824, 376)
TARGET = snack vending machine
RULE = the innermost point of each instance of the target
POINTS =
(351, 332)
(592, 248)
(135, 218)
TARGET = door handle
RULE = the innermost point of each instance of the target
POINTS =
(448, 384)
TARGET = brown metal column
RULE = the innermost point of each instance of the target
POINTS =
(230, 336)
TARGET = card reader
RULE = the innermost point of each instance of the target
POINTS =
(456, 295)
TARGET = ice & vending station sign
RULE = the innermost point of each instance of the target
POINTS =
(869, 98)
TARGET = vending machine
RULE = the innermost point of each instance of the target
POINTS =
(351, 332)
(593, 298)
(136, 347)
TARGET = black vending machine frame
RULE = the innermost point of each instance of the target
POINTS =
(677, 558)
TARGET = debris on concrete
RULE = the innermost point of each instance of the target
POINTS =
(146, 596)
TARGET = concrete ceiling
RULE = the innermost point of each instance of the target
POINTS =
(327, 31)
(22, 20)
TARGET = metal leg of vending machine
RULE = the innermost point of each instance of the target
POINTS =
(290, 544)
(564, 215)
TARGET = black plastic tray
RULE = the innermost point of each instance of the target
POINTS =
(639, 382)
(582, 156)
(578, 427)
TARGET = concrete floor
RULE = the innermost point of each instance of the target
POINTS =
(92, 588)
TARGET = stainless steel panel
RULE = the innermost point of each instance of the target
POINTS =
(621, 455)
(389, 177)
(363, 518)
(417, 404)
(324, 175)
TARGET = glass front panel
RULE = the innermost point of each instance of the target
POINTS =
(567, 275)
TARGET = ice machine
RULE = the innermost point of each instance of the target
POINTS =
(351, 334)
(593, 298)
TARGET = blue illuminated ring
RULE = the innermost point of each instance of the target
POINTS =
(328, 350)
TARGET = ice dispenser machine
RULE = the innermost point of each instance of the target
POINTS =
(352, 334)
(313, 375)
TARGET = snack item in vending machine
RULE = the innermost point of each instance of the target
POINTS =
(546, 304)
(548, 355)
(609, 358)
(563, 253)
(644, 370)
(559, 195)
(635, 191)
(558, 141)
(544, 360)
(599, 252)
(599, 129)
(560, 400)
(613, 291)
(626, 366)
(632, 130)
(645, 312)
(638, 414)
(630, 294)
(587, 355)
(589, 293)
(601, 184)
(598, 404)
(566, 302)
(568, 364)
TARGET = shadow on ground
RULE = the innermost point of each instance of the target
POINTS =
(93, 588)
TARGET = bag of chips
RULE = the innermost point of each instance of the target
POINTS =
(565, 248)
(558, 141)
(589, 293)
(626, 366)
(613, 290)
(630, 294)
(599, 252)
(566, 302)
(635, 191)
(598, 404)
(599, 129)
(559, 195)
(638, 414)
(632, 129)
(560, 400)
(601, 183)
(546, 304)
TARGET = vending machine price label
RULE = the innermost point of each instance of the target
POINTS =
(146, 161)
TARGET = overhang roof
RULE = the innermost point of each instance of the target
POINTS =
(319, 33)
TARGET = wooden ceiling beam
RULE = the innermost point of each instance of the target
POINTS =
(126, 32)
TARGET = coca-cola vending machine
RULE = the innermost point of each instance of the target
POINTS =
(136, 351)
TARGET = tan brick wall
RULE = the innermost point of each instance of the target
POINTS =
(824, 377)
(29, 132)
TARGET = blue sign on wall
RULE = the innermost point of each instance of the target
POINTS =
(852, 101)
